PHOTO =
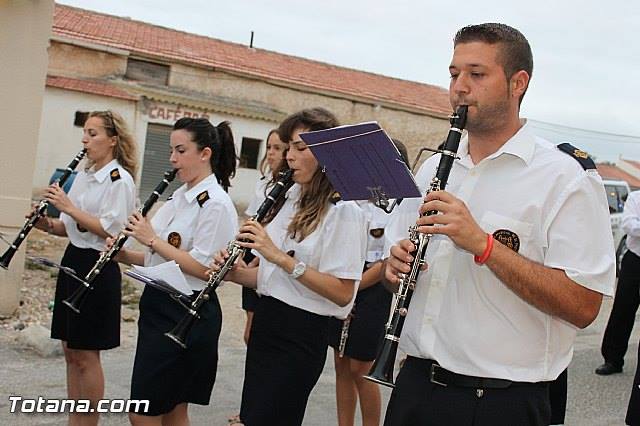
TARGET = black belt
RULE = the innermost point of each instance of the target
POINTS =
(443, 377)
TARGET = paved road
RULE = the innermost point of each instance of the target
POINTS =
(593, 400)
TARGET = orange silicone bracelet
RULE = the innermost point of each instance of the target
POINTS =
(487, 251)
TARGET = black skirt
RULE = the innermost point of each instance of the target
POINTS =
(366, 330)
(285, 357)
(97, 326)
(249, 299)
(163, 372)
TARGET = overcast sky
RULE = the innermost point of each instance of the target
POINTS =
(586, 53)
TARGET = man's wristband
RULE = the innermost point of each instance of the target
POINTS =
(480, 260)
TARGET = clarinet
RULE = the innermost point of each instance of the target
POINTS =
(75, 301)
(180, 332)
(39, 213)
(382, 370)
(344, 335)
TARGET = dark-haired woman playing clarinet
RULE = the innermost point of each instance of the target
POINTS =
(305, 276)
(198, 220)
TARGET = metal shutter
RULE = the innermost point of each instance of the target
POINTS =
(156, 161)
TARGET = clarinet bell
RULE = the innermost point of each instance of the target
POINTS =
(382, 369)
(179, 333)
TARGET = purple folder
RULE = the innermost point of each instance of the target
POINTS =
(362, 162)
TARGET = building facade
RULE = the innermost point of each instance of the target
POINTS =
(154, 75)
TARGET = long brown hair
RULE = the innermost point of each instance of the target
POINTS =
(315, 197)
(125, 150)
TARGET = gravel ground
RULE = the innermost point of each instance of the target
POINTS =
(39, 283)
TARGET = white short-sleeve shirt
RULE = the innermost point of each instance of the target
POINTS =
(336, 247)
(631, 222)
(200, 221)
(108, 194)
(461, 314)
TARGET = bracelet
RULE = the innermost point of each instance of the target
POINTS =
(150, 245)
(480, 260)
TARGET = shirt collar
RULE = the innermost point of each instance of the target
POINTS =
(521, 145)
(191, 194)
(105, 171)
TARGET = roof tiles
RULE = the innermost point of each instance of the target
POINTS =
(172, 45)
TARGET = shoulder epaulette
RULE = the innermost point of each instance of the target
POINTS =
(579, 155)
(115, 174)
(202, 197)
(335, 197)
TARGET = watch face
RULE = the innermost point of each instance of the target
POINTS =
(298, 269)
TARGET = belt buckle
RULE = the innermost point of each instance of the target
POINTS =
(432, 375)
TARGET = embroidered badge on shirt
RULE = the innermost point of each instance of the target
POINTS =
(80, 228)
(202, 197)
(579, 155)
(508, 238)
(174, 239)
(377, 232)
(115, 175)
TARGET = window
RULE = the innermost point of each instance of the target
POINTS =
(249, 153)
(148, 72)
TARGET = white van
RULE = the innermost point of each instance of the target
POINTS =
(617, 192)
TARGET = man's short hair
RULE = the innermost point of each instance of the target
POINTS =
(514, 53)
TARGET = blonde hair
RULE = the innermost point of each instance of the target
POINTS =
(125, 150)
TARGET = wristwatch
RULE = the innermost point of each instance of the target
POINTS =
(299, 269)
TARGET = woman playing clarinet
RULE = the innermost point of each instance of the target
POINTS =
(304, 277)
(97, 206)
(189, 228)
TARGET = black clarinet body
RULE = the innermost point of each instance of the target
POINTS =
(75, 301)
(39, 213)
(382, 370)
(180, 332)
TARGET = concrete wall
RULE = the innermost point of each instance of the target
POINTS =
(81, 62)
(25, 28)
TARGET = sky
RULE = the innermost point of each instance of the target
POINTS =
(586, 54)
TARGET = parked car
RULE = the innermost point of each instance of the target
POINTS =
(617, 192)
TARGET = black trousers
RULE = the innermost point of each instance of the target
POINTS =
(623, 313)
(558, 398)
(418, 401)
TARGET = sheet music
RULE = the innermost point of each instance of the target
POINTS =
(362, 162)
(166, 276)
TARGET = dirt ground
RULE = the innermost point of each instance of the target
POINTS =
(39, 283)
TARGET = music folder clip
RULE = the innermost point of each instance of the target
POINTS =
(362, 163)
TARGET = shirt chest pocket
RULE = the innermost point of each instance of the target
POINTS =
(513, 233)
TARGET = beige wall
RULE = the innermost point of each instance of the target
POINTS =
(25, 28)
(414, 129)
(76, 61)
